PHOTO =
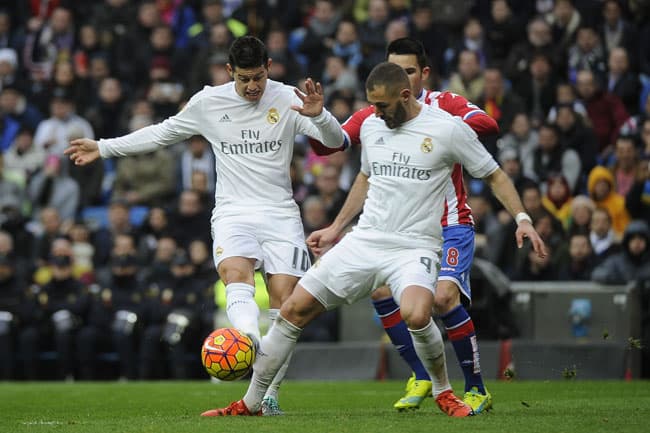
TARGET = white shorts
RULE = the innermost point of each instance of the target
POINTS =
(360, 263)
(275, 242)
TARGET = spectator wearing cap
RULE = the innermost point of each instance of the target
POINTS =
(8, 67)
(582, 208)
(17, 107)
(52, 134)
(53, 187)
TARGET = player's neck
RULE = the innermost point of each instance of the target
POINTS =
(413, 108)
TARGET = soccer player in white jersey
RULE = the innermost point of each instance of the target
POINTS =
(251, 124)
(408, 152)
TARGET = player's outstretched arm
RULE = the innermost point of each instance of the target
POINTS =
(312, 101)
(320, 240)
(82, 151)
(506, 193)
(329, 133)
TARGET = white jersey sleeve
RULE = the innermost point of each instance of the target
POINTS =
(470, 152)
(171, 131)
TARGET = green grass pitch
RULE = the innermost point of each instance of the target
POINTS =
(312, 407)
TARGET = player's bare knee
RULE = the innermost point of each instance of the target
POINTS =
(380, 293)
(416, 318)
(446, 298)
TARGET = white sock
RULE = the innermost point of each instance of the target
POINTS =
(242, 310)
(274, 349)
(431, 350)
(279, 376)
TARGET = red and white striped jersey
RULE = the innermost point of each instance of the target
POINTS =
(456, 211)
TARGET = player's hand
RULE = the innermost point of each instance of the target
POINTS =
(321, 240)
(312, 101)
(526, 230)
(82, 151)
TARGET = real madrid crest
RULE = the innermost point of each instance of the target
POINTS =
(218, 251)
(273, 116)
(427, 145)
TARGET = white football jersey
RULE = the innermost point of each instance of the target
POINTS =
(253, 143)
(409, 169)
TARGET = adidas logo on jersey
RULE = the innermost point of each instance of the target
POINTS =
(225, 118)
(380, 141)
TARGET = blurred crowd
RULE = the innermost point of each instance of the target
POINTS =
(115, 256)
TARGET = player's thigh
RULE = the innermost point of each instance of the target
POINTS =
(411, 267)
(345, 274)
(301, 307)
(283, 247)
(280, 287)
(235, 237)
(456, 260)
(237, 270)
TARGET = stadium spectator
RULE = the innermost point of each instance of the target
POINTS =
(9, 68)
(371, 35)
(502, 31)
(190, 220)
(197, 156)
(581, 260)
(50, 40)
(314, 214)
(113, 315)
(52, 133)
(468, 81)
(51, 314)
(319, 36)
(630, 264)
(565, 21)
(587, 53)
(625, 164)
(539, 40)
(473, 39)
(215, 51)
(285, 67)
(551, 157)
(537, 88)
(11, 289)
(602, 191)
(326, 186)
(522, 138)
(558, 198)
(17, 107)
(617, 32)
(637, 200)
(604, 241)
(499, 102)
(10, 128)
(433, 38)
(154, 227)
(622, 82)
(606, 111)
(103, 237)
(575, 134)
(53, 187)
(582, 208)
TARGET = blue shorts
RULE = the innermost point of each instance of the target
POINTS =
(457, 256)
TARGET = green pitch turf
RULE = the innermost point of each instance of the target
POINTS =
(312, 407)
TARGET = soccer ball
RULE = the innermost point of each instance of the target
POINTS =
(227, 354)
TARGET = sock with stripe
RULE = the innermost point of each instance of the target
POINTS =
(460, 332)
(389, 314)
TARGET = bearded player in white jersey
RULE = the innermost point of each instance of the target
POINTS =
(251, 124)
(408, 152)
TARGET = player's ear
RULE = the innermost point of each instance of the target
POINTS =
(231, 72)
(425, 73)
(405, 94)
(268, 64)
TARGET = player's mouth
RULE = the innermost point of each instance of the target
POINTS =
(253, 95)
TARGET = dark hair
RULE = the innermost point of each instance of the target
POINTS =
(408, 46)
(248, 52)
(390, 75)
